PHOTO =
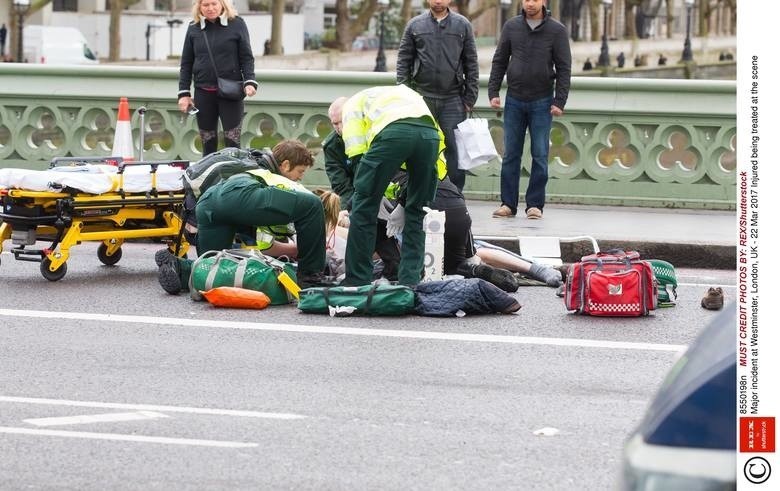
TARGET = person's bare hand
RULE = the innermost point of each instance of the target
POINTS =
(249, 90)
(184, 103)
(555, 110)
(495, 103)
(343, 218)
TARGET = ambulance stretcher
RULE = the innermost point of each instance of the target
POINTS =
(87, 200)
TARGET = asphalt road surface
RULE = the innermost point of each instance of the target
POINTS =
(106, 382)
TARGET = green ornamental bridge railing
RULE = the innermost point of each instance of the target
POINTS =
(637, 142)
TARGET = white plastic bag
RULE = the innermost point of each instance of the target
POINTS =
(475, 143)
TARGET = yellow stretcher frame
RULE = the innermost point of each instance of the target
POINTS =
(72, 219)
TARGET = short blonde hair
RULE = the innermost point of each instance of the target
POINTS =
(227, 8)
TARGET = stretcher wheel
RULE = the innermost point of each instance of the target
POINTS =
(105, 258)
(55, 275)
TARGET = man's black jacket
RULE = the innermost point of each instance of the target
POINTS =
(439, 59)
(534, 61)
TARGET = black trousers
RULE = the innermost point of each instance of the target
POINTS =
(458, 240)
(213, 109)
(388, 250)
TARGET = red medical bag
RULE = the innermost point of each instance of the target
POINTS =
(611, 284)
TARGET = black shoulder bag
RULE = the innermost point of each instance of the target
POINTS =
(226, 88)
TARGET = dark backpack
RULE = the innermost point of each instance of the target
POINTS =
(210, 170)
(217, 166)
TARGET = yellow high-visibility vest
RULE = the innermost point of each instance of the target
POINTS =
(369, 111)
(265, 235)
(278, 181)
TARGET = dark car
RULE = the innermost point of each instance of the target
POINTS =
(687, 439)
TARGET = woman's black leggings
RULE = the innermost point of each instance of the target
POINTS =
(212, 109)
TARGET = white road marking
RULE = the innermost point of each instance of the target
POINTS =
(126, 438)
(351, 331)
(151, 407)
(95, 418)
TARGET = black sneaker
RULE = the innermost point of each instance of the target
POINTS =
(313, 280)
(162, 256)
(500, 277)
(169, 274)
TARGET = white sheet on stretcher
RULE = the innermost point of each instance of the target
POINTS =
(93, 178)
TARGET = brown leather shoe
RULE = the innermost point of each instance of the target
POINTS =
(533, 213)
(503, 211)
(713, 300)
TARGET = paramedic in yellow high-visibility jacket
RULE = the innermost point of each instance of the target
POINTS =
(388, 126)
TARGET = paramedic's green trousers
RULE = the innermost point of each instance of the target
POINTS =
(416, 143)
(242, 201)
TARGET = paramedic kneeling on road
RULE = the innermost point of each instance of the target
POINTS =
(388, 126)
(263, 198)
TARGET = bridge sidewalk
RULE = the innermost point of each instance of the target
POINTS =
(686, 238)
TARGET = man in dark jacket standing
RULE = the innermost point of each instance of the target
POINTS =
(437, 57)
(534, 53)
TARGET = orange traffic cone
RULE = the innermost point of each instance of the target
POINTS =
(123, 135)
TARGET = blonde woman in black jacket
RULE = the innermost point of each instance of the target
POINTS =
(228, 38)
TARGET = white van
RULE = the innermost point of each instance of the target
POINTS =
(57, 46)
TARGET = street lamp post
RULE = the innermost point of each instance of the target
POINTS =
(380, 53)
(148, 35)
(171, 24)
(21, 7)
(604, 56)
(687, 54)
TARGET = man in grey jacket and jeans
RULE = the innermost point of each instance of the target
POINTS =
(437, 57)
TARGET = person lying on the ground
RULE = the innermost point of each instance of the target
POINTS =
(499, 257)
(463, 258)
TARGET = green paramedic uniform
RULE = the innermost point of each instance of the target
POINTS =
(339, 168)
(389, 126)
(261, 198)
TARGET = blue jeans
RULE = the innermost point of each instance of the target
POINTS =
(535, 117)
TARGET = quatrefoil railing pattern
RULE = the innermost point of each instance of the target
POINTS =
(596, 156)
